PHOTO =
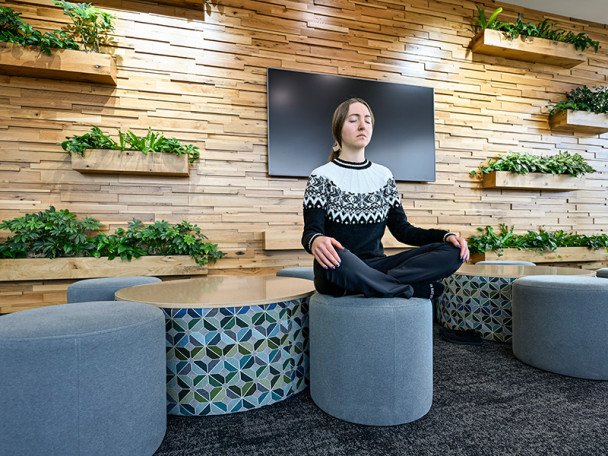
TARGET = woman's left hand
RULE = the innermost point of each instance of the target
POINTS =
(461, 243)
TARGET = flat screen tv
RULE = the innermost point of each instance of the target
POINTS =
(300, 110)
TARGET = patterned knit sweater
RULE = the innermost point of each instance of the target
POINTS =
(354, 203)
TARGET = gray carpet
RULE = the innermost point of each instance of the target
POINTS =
(485, 403)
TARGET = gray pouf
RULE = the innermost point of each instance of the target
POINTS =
(298, 273)
(103, 289)
(560, 324)
(371, 359)
(507, 262)
(603, 273)
(83, 379)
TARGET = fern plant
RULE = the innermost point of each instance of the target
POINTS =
(540, 241)
(53, 233)
(583, 99)
(543, 29)
(14, 30)
(151, 142)
(90, 25)
(524, 163)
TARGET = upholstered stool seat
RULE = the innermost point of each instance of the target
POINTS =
(103, 289)
(560, 324)
(603, 273)
(371, 359)
(305, 272)
(86, 378)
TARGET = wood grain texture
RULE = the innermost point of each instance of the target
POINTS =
(102, 161)
(527, 48)
(580, 121)
(200, 76)
(532, 181)
(64, 64)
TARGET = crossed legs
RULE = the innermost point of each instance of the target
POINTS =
(390, 276)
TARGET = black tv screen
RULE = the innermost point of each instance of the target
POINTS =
(300, 110)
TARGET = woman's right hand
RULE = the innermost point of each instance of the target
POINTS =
(324, 250)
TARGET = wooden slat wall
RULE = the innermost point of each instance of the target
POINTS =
(202, 78)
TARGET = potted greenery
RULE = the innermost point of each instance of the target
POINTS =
(153, 153)
(25, 51)
(560, 172)
(54, 244)
(542, 42)
(537, 246)
(584, 110)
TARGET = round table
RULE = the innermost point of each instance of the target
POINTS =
(479, 297)
(233, 343)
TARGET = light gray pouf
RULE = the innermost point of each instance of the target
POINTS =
(83, 379)
(298, 273)
(507, 262)
(103, 289)
(371, 359)
(560, 324)
(603, 273)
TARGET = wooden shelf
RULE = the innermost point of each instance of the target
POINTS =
(526, 48)
(579, 121)
(64, 64)
(561, 255)
(104, 161)
(12, 270)
(532, 181)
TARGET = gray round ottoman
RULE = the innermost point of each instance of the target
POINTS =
(560, 324)
(103, 289)
(603, 273)
(304, 272)
(83, 379)
(371, 359)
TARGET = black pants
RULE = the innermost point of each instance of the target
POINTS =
(388, 276)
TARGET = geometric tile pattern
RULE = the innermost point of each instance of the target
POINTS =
(479, 303)
(233, 359)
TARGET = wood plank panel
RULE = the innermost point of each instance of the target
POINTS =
(200, 76)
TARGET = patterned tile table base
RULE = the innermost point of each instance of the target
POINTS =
(479, 303)
(232, 359)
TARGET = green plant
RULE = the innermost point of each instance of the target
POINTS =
(90, 24)
(524, 163)
(489, 240)
(53, 233)
(14, 30)
(159, 238)
(49, 234)
(583, 99)
(151, 142)
(543, 29)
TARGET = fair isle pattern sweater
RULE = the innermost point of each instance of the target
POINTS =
(354, 203)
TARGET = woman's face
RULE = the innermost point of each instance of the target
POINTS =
(357, 129)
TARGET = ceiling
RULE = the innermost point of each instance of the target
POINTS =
(588, 10)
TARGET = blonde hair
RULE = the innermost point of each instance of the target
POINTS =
(340, 116)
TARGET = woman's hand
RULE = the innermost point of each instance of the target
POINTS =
(324, 250)
(461, 243)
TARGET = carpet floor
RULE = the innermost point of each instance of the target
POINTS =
(485, 402)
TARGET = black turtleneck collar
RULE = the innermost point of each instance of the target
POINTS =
(352, 165)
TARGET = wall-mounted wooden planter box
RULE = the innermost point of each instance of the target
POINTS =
(579, 121)
(13, 270)
(529, 49)
(562, 254)
(104, 161)
(61, 64)
(532, 181)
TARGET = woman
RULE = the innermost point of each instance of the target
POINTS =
(348, 203)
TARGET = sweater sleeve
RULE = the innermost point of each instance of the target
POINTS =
(403, 230)
(315, 205)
